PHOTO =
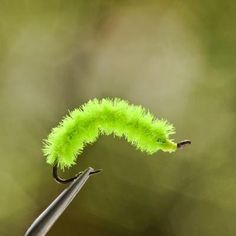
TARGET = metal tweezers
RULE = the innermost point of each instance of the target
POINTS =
(50, 215)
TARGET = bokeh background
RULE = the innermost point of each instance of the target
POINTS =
(176, 58)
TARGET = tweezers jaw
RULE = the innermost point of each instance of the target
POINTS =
(49, 216)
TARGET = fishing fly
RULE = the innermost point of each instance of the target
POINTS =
(107, 116)
(83, 126)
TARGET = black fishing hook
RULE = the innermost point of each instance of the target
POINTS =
(60, 180)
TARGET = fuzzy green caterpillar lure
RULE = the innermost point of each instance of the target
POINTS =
(104, 117)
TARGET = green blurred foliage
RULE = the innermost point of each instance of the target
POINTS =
(176, 58)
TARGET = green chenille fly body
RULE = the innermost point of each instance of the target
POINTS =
(104, 117)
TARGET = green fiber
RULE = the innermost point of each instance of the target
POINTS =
(107, 116)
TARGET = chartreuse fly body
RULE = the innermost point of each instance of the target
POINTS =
(83, 126)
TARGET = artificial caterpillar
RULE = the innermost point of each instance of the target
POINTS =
(104, 117)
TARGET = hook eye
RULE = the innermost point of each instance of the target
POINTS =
(183, 143)
(60, 180)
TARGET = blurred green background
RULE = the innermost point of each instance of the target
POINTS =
(176, 58)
